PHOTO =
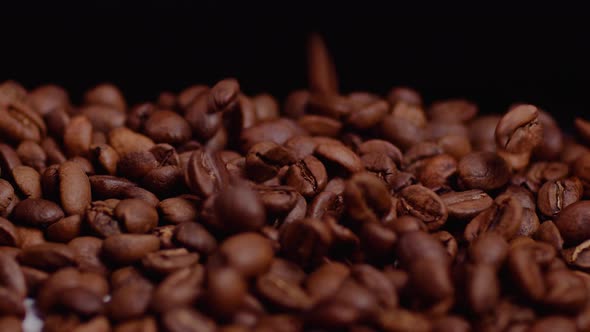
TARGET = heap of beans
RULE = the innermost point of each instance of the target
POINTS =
(210, 210)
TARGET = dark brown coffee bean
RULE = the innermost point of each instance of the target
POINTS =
(238, 209)
(101, 219)
(32, 154)
(381, 146)
(103, 118)
(64, 229)
(129, 301)
(377, 283)
(165, 181)
(135, 165)
(466, 204)
(317, 125)
(325, 203)
(489, 249)
(339, 159)
(177, 210)
(401, 132)
(277, 131)
(125, 141)
(366, 198)
(277, 200)
(563, 291)
(54, 153)
(37, 212)
(80, 301)
(167, 127)
(423, 203)
(436, 171)
(48, 97)
(111, 187)
(27, 181)
(321, 70)
(8, 198)
(29, 236)
(404, 94)
(483, 170)
(47, 256)
(555, 195)
(249, 253)
(519, 130)
(129, 248)
(74, 188)
(11, 275)
(206, 173)
(452, 110)
(264, 160)
(503, 217)
(136, 215)
(572, 223)
(368, 115)
(549, 233)
(106, 94)
(195, 237)
(179, 289)
(483, 288)
(226, 290)
(350, 304)
(267, 107)
(105, 158)
(526, 272)
(88, 251)
(164, 262)
(282, 293)
(9, 235)
(187, 320)
(306, 241)
(18, 122)
(165, 234)
(78, 136)
(308, 176)
(8, 160)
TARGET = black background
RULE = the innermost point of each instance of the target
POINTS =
(492, 55)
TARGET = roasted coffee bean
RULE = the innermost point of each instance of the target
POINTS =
(11, 275)
(572, 223)
(47, 256)
(226, 290)
(103, 118)
(29, 236)
(78, 136)
(277, 131)
(553, 323)
(483, 170)
(37, 212)
(179, 209)
(179, 289)
(206, 173)
(18, 123)
(404, 94)
(8, 198)
(339, 159)
(563, 291)
(106, 94)
(136, 215)
(381, 146)
(129, 301)
(249, 253)
(306, 241)
(321, 70)
(401, 132)
(49, 97)
(549, 233)
(111, 187)
(325, 203)
(195, 237)
(452, 110)
(282, 293)
(125, 141)
(239, 209)
(503, 217)
(167, 127)
(366, 198)
(264, 160)
(9, 235)
(65, 229)
(423, 203)
(27, 181)
(187, 320)
(168, 261)
(128, 248)
(166, 181)
(519, 130)
(556, 195)
(466, 204)
(32, 154)
(308, 176)
(101, 219)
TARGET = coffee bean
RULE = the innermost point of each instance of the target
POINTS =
(308, 176)
(305, 241)
(18, 123)
(282, 293)
(339, 159)
(125, 141)
(27, 181)
(226, 291)
(325, 203)
(571, 223)
(32, 154)
(249, 253)
(47, 256)
(519, 130)
(503, 217)
(168, 261)
(549, 233)
(206, 173)
(554, 323)
(81, 301)
(65, 229)
(557, 194)
(105, 94)
(401, 132)
(136, 215)
(29, 236)
(128, 248)
(368, 115)
(321, 69)
(452, 110)
(129, 301)
(37, 212)
(267, 107)
(8, 233)
(147, 324)
(8, 198)
(239, 209)
(187, 320)
(423, 203)
(563, 293)
(177, 210)
(264, 160)
(11, 275)
(366, 198)
(466, 204)
(195, 237)
(277, 131)
(78, 136)
(103, 118)
(483, 170)
(167, 127)
(181, 288)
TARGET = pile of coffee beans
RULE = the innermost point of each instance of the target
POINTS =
(211, 210)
